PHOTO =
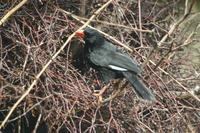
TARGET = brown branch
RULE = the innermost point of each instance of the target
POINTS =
(105, 34)
(163, 58)
(148, 59)
(186, 95)
(37, 123)
(104, 22)
(186, 89)
(12, 11)
(48, 63)
(175, 25)
(186, 42)
(131, 50)
(140, 22)
(172, 29)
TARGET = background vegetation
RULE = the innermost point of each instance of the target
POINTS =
(163, 36)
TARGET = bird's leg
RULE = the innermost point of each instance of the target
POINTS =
(100, 92)
(119, 89)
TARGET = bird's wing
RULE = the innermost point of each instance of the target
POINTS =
(108, 74)
(113, 60)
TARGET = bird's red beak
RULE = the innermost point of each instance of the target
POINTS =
(80, 34)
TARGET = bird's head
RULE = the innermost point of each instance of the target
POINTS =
(90, 36)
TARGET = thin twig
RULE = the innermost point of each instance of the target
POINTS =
(163, 58)
(131, 50)
(49, 62)
(185, 95)
(186, 42)
(104, 22)
(140, 22)
(12, 11)
(147, 127)
(175, 25)
(37, 124)
(172, 29)
(105, 34)
(168, 74)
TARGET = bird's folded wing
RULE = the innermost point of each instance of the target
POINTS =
(114, 60)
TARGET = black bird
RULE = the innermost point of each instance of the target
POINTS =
(104, 57)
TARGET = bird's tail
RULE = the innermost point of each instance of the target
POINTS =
(139, 87)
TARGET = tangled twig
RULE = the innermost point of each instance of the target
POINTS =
(48, 63)
(12, 11)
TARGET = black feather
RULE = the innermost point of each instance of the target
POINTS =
(101, 54)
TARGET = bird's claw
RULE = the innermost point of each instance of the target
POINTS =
(99, 93)
(99, 96)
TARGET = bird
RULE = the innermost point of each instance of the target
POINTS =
(104, 57)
